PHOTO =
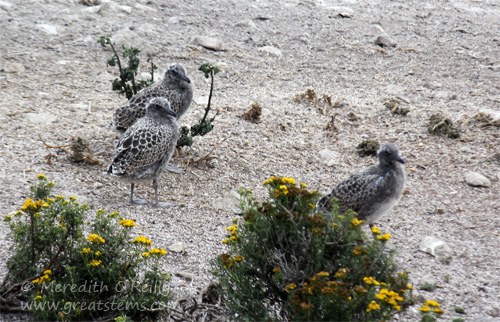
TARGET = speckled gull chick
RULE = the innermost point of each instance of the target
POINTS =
(146, 147)
(372, 192)
(175, 86)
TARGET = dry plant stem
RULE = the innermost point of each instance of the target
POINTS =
(470, 119)
(53, 146)
(438, 125)
(32, 240)
(207, 156)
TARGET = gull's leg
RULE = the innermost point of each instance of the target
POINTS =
(135, 201)
(157, 203)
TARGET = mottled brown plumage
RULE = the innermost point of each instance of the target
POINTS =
(373, 191)
(146, 147)
(175, 86)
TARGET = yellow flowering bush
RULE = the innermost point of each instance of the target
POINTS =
(52, 254)
(287, 260)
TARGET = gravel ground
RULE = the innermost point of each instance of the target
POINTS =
(443, 57)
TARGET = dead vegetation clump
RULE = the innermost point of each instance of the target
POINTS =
(78, 152)
(253, 114)
(483, 120)
(440, 125)
(311, 96)
(395, 106)
(368, 147)
(330, 128)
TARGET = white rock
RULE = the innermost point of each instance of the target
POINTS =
(210, 43)
(41, 118)
(201, 100)
(477, 180)
(436, 247)
(173, 20)
(92, 10)
(329, 156)
(493, 311)
(126, 9)
(344, 12)
(177, 247)
(385, 41)
(230, 201)
(248, 23)
(271, 50)
(5, 5)
(14, 68)
(144, 8)
(48, 29)
(427, 280)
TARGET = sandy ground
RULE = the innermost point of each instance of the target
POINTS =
(54, 83)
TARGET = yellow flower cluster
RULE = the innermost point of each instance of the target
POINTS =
(303, 185)
(98, 253)
(159, 252)
(232, 230)
(358, 250)
(7, 218)
(429, 305)
(276, 270)
(341, 272)
(96, 238)
(30, 204)
(370, 280)
(373, 306)
(290, 287)
(142, 240)
(384, 237)
(312, 206)
(44, 277)
(356, 222)
(85, 251)
(375, 230)
(238, 258)
(290, 181)
(40, 176)
(305, 306)
(145, 254)
(95, 262)
(322, 274)
(284, 189)
(390, 297)
(127, 223)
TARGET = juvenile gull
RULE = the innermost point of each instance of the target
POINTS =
(146, 147)
(373, 191)
(176, 87)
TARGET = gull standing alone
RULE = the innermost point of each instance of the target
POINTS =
(175, 86)
(372, 192)
(146, 147)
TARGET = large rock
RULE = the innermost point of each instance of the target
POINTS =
(48, 29)
(230, 202)
(477, 180)
(210, 43)
(271, 50)
(330, 157)
(436, 247)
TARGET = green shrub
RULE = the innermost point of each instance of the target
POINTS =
(61, 272)
(286, 260)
